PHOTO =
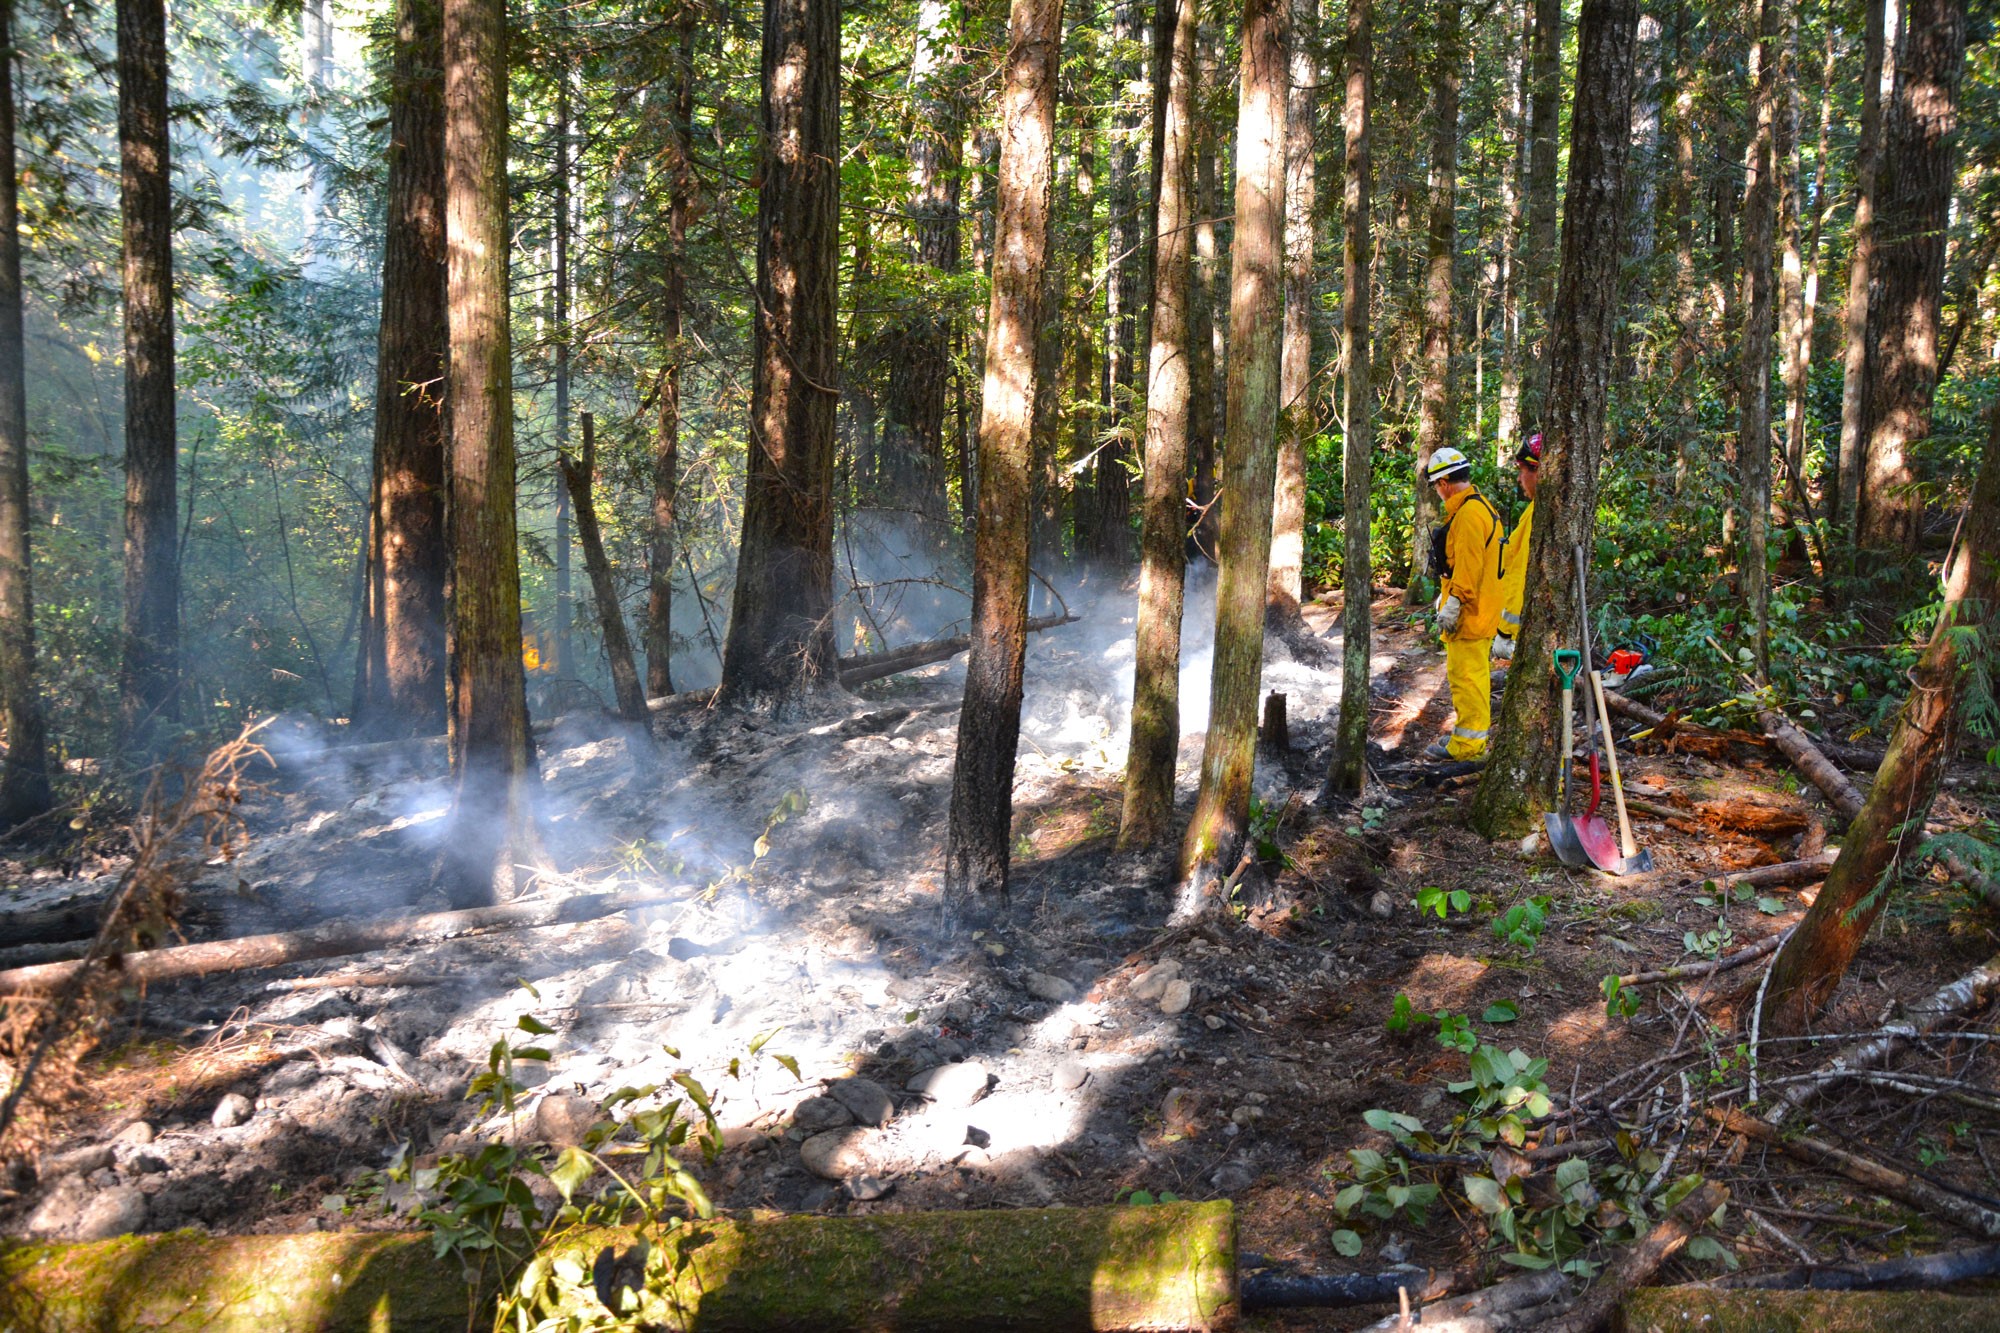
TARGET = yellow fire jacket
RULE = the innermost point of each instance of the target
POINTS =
(1472, 564)
(1514, 572)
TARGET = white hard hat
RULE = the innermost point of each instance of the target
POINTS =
(1444, 462)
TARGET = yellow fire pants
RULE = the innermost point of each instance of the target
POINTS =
(1468, 665)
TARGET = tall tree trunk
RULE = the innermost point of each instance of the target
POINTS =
(24, 768)
(1124, 263)
(1156, 696)
(1256, 304)
(1519, 783)
(1890, 827)
(1799, 337)
(1288, 502)
(1083, 323)
(400, 687)
(577, 479)
(1538, 257)
(982, 784)
(1436, 412)
(1753, 365)
(780, 644)
(1203, 334)
(1683, 185)
(920, 371)
(559, 291)
(1348, 769)
(1513, 177)
(673, 300)
(1916, 177)
(1844, 498)
(493, 818)
(149, 673)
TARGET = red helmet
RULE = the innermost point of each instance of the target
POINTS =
(1529, 455)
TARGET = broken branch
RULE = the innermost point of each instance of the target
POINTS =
(1968, 992)
(1637, 1262)
(331, 939)
(1918, 1193)
(1767, 945)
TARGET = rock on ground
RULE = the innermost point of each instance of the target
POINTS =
(838, 1153)
(866, 1099)
(952, 1086)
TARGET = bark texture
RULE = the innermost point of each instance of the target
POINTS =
(673, 299)
(1222, 804)
(1538, 255)
(400, 688)
(1348, 769)
(1844, 495)
(1890, 827)
(1519, 784)
(1753, 365)
(24, 766)
(982, 785)
(492, 758)
(920, 366)
(1124, 263)
(1919, 135)
(1156, 695)
(1295, 421)
(149, 672)
(579, 478)
(780, 645)
(1435, 408)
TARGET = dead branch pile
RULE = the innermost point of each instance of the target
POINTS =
(185, 818)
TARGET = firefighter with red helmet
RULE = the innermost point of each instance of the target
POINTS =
(1514, 554)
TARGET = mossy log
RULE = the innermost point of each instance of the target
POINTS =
(1670, 1309)
(1167, 1266)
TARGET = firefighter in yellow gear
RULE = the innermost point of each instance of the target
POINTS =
(1514, 552)
(1465, 556)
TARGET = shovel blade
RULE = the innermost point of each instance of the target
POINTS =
(1563, 840)
(1637, 864)
(1600, 845)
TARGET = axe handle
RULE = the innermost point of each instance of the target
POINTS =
(1626, 845)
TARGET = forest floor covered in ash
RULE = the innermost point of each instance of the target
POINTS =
(1068, 1048)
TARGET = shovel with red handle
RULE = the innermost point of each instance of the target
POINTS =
(1591, 831)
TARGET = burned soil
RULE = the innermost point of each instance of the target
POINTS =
(1067, 1046)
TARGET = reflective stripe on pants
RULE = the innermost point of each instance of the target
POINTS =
(1468, 665)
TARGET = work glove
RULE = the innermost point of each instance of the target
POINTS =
(1448, 615)
(1503, 646)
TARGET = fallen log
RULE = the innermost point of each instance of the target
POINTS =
(1814, 766)
(1676, 732)
(1913, 1190)
(1968, 992)
(1847, 800)
(1687, 971)
(1900, 1274)
(1166, 1266)
(74, 920)
(1635, 1265)
(893, 661)
(331, 939)
(1270, 1290)
(1805, 870)
(1521, 1302)
(1806, 1311)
